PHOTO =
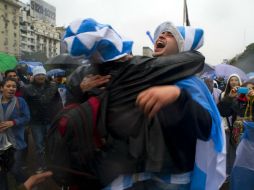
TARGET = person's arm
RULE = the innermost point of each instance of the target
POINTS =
(23, 116)
(177, 106)
(23, 113)
(35, 180)
(143, 72)
(165, 69)
(155, 98)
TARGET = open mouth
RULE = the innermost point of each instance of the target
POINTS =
(160, 44)
(11, 93)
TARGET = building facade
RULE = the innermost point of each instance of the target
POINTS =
(38, 30)
(47, 38)
(9, 27)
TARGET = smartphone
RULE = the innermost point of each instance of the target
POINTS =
(243, 90)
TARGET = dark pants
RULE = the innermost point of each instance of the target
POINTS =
(39, 133)
(18, 168)
(6, 162)
(3, 180)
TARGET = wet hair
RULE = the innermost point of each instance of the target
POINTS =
(6, 80)
(9, 71)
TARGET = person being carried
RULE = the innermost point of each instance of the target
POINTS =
(110, 55)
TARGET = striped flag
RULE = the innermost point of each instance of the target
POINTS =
(242, 176)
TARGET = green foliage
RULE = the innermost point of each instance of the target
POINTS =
(249, 51)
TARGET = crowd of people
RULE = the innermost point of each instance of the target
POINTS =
(125, 122)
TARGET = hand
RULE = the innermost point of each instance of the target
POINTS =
(5, 125)
(233, 92)
(36, 179)
(251, 93)
(154, 98)
(92, 81)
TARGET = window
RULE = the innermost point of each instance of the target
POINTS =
(14, 11)
(5, 41)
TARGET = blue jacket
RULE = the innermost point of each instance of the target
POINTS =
(21, 116)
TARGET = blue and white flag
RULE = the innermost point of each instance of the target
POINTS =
(97, 42)
(210, 160)
(242, 176)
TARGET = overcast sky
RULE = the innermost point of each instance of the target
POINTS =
(228, 24)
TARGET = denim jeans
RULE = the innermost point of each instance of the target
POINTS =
(39, 133)
(156, 185)
(18, 168)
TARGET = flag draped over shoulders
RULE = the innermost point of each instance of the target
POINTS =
(210, 160)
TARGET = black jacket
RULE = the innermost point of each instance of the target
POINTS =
(44, 102)
(134, 142)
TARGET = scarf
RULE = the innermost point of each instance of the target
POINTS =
(7, 138)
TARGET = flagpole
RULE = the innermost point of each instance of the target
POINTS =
(184, 12)
(186, 21)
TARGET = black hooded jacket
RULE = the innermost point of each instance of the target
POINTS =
(136, 143)
(44, 102)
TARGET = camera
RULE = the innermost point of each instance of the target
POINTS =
(243, 90)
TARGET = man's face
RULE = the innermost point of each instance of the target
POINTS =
(40, 78)
(165, 45)
(12, 75)
(9, 89)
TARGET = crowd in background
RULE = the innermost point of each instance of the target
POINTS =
(29, 103)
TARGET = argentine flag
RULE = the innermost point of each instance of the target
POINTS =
(210, 160)
(242, 176)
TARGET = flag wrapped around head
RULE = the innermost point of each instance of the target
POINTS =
(187, 38)
(98, 42)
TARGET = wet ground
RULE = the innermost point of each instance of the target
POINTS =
(31, 163)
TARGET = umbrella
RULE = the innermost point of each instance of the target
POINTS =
(7, 62)
(30, 65)
(56, 73)
(208, 71)
(64, 61)
(225, 70)
(250, 75)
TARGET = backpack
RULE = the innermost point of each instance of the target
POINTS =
(71, 144)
